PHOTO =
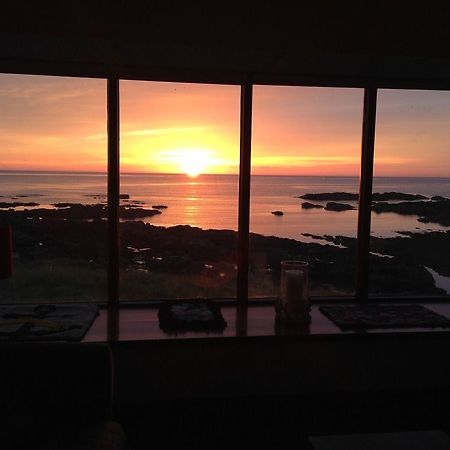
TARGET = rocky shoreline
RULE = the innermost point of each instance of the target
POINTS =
(429, 210)
(376, 196)
(184, 261)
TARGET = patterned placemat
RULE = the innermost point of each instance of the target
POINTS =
(350, 317)
(195, 315)
(46, 322)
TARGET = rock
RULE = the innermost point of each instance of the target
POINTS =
(15, 204)
(440, 198)
(333, 206)
(186, 251)
(124, 196)
(62, 205)
(159, 206)
(348, 196)
(428, 211)
(386, 196)
(78, 211)
(99, 196)
(278, 213)
(30, 195)
(324, 196)
(307, 205)
(136, 213)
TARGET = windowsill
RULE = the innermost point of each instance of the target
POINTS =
(141, 324)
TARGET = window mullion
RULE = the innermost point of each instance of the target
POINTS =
(365, 192)
(244, 191)
(113, 197)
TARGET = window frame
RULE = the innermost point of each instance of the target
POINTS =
(246, 82)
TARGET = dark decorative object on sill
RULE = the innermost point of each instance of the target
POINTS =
(360, 317)
(194, 315)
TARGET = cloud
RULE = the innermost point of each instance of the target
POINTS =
(152, 132)
(303, 160)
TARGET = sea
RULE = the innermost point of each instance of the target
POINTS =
(211, 201)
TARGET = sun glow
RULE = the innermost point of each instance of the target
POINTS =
(192, 162)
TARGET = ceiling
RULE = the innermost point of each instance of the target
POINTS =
(326, 42)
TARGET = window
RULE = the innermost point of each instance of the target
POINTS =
(179, 190)
(410, 239)
(304, 186)
(182, 218)
(53, 187)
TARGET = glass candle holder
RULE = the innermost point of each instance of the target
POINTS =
(294, 303)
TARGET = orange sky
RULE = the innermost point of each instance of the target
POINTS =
(57, 123)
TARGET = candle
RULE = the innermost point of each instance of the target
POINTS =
(292, 307)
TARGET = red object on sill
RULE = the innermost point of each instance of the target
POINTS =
(5, 251)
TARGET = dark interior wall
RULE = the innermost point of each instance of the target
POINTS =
(329, 384)
(223, 367)
(330, 42)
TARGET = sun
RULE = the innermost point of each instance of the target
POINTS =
(194, 162)
(190, 161)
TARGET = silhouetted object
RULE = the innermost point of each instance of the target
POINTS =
(195, 315)
(5, 251)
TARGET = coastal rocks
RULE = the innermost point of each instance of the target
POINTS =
(29, 195)
(78, 211)
(72, 211)
(333, 206)
(386, 196)
(440, 198)
(349, 196)
(188, 261)
(307, 205)
(278, 213)
(428, 211)
(136, 213)
(16, 204)
(159, 207)
(62, 205)
(325, 196)
(411, 250)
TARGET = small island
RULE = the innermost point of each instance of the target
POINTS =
(307, 205)
(334, 206)
(325, 196)
(376, 196)
(16, 204)
(432, 211)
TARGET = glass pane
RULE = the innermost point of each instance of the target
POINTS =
(410, 240)
(53, 187)
(304, 186)
(179, 185)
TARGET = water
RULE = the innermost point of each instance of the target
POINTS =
(211, 201)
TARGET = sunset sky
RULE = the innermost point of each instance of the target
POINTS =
(56, 123)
